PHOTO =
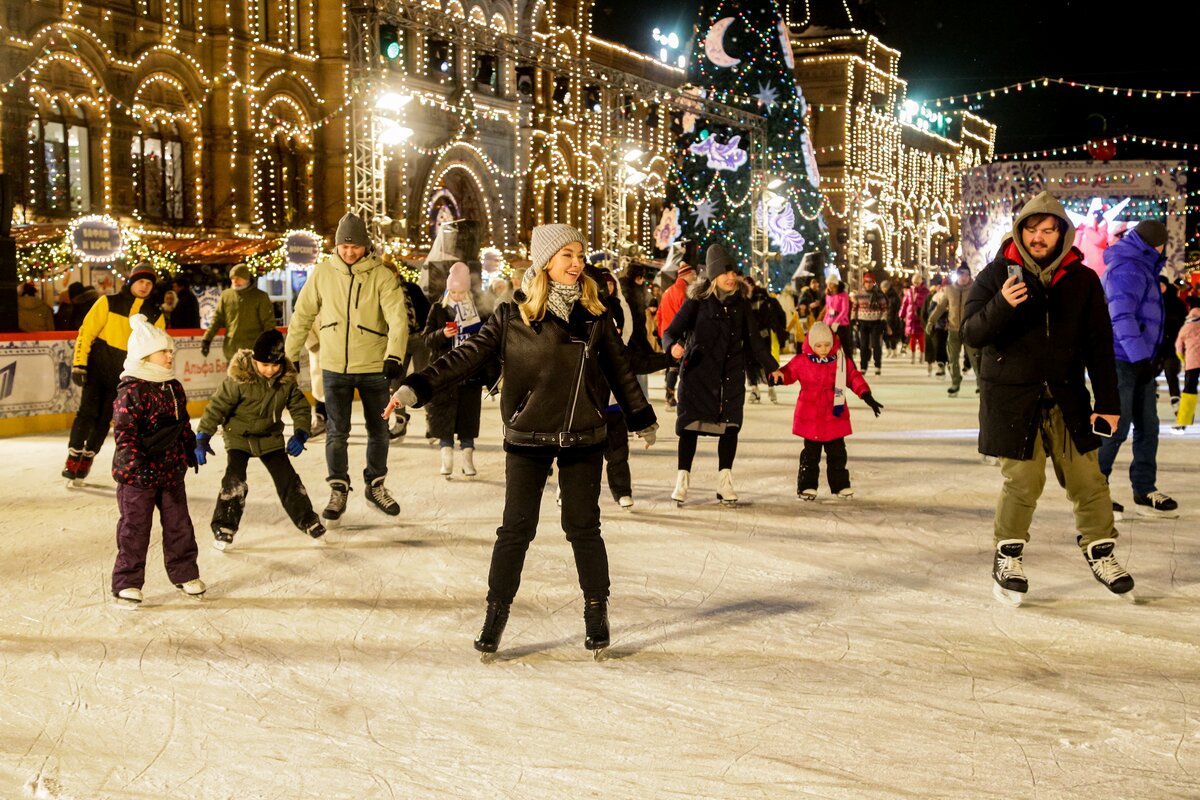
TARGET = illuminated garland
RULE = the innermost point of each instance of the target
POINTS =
(50, 260)
(267, 261)
(1082, 148)
(1043, 82)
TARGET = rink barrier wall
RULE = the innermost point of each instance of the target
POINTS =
(37, 396)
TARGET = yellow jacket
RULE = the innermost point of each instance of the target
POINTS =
(104, 335)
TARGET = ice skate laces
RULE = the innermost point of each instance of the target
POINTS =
(1009, 567)
(1157, 499)
(1107, 568)
(380, 495)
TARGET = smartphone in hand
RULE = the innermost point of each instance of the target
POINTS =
(1015, 271)
(1101, 428)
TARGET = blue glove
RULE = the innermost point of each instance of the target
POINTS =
(202, 447)
(295, 445)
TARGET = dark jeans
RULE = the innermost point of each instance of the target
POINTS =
(1137, 409)
(339, 396)
(524, 481)
(95, 413)
(870, 340)
(726, 449)
(620, 482)
(835, 464)
(232, 500)
(133, 535)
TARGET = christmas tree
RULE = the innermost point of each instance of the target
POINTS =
(741, 56)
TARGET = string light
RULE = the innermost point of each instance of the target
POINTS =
(1045, 81)
(1086, 148)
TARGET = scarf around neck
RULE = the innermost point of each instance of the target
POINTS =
(839, 381)
(144, 370)
(561, 298)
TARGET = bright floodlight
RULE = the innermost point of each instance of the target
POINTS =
(393, 133)
(392, 101)
(634, 177)
(774, 183)
(673, 41)
(633, 154)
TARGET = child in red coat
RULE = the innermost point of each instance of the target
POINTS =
(821, 416)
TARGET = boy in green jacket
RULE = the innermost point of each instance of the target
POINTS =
(249, 406)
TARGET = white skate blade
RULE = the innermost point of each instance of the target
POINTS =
(219, 545)
(330, 524)
(127, 605)
(600, 654)
(1129, 597)
(1150, 513)
(487, 658)
(1007, 596)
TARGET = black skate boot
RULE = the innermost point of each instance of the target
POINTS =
(339, 493)
(595, 623)
(315, 529)
(222, 537)
(1106, 568)
(381, 499)
(1009, 573)
(488, 640)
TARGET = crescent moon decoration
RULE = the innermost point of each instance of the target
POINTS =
(786, 41)
(714, 44)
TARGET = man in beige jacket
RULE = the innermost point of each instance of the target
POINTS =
(363, 334)
(954, 300)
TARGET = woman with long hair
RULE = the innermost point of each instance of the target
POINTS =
(714, 335)
(559, 355)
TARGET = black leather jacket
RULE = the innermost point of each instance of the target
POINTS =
(557, 377)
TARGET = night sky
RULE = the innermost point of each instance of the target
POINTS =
(951, 48)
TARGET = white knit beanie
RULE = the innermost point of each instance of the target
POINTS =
(820, 333)
(145, 339)
(548, 240)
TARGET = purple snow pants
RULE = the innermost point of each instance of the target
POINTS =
(133, 535)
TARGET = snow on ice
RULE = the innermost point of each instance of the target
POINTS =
(782, 649)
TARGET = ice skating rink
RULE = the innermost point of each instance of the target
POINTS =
(820, 650)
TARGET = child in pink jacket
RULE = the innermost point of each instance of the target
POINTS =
(1187, 345)
(824, 373)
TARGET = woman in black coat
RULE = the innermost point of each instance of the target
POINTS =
(560, 356)
(713, 335)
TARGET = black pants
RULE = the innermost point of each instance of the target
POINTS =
(524, 481)
(1171, 367)
(672, 377)
(726, 449)
(835, 464)
(232, 500)
(870, 340)
(845, 336)
(95, 413)
(1191, 379)
(620, 482)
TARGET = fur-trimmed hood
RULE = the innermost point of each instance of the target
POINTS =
(241, 369)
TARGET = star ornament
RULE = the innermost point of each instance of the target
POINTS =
(767, 96)
(704, 213)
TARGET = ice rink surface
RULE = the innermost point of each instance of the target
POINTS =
(781, 649)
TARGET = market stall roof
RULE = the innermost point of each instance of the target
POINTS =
(27, 235)
(210, 251)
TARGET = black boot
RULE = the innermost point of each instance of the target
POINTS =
(488, 640)
(595, 622)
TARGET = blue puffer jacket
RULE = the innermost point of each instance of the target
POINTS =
(1135, 301)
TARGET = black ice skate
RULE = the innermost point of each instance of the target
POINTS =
(595, 623)
(1009, 573)
(488, 640)
(380, 499)
(1154, 505)
(339, 493)
(315, 529)
(1107, 569)
(222, 537)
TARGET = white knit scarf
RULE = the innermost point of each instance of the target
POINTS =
(146, 371)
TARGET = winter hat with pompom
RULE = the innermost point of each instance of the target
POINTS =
(459, 279)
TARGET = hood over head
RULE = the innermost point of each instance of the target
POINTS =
(1044, 203)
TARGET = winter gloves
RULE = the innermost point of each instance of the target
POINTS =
(392, 368)
(405, 396)
(79, 375)
(648, 435)
(874, 404)
(202, 447)
(205, 346)
(295, 445)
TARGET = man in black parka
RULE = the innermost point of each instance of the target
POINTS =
(1040, 317)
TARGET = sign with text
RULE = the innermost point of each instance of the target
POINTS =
(302, 248)
(96, 238)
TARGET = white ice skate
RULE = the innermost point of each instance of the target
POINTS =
(193, 588)
(447, 462)
(625, 502)
(846, 494)
(681, 487)
(468, 462)
(808, 495)
(129, 598)
(725, 490)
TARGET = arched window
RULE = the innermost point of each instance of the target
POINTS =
(60, 175)
(159, 158)
(284, 178)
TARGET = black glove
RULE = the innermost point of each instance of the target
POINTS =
(205, 346)
(1145, 370)
(79, 375)
(875, 405)
(392, 368)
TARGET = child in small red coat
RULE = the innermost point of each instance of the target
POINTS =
(821, 416)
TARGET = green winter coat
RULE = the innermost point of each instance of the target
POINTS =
(364, 319)
(249, 408)
(244, 315)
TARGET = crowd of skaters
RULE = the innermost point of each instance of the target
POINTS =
(569, 352)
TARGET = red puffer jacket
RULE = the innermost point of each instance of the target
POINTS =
(814, 417)
(155, 442)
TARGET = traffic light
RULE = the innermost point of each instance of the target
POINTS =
(389, 42)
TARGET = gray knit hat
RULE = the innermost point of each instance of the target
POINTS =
(548, 240)
(351, 230)
(717, 262)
